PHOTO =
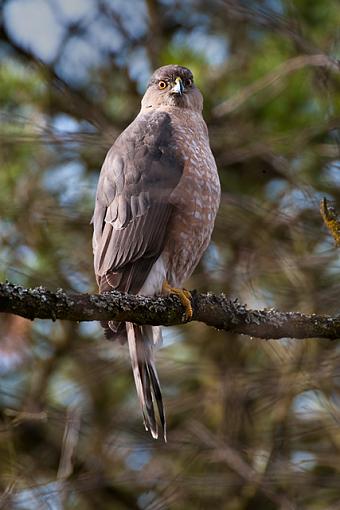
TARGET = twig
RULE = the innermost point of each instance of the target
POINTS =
(292, 65)
(331, 219)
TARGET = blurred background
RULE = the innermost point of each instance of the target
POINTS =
(253, 425)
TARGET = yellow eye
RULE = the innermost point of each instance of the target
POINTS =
(162, 85)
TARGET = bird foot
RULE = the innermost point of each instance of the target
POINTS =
(183, 294)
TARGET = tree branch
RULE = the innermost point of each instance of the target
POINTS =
(214, 310)
(288, 67)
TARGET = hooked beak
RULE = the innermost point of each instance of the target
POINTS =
(178, 87)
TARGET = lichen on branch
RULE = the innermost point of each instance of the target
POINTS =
(331, 219)
(214, 310)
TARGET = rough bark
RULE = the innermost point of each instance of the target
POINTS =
(214, 310)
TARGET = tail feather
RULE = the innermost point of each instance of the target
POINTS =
(145, 376)
(150, 421)
(158, 397)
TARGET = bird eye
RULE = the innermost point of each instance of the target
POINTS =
(188, 82)
(162, 85)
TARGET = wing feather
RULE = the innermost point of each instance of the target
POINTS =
(133, 205)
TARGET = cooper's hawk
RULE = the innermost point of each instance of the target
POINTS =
(157, 198)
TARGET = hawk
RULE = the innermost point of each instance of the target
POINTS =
(156, 202)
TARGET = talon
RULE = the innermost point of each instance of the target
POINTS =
(183, 294)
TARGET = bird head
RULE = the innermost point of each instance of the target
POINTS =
(172, 85)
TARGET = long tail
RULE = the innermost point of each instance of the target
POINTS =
(141, 340)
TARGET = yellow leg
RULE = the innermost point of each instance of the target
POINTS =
(183, 294)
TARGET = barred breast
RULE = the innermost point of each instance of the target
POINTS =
(196, 199)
